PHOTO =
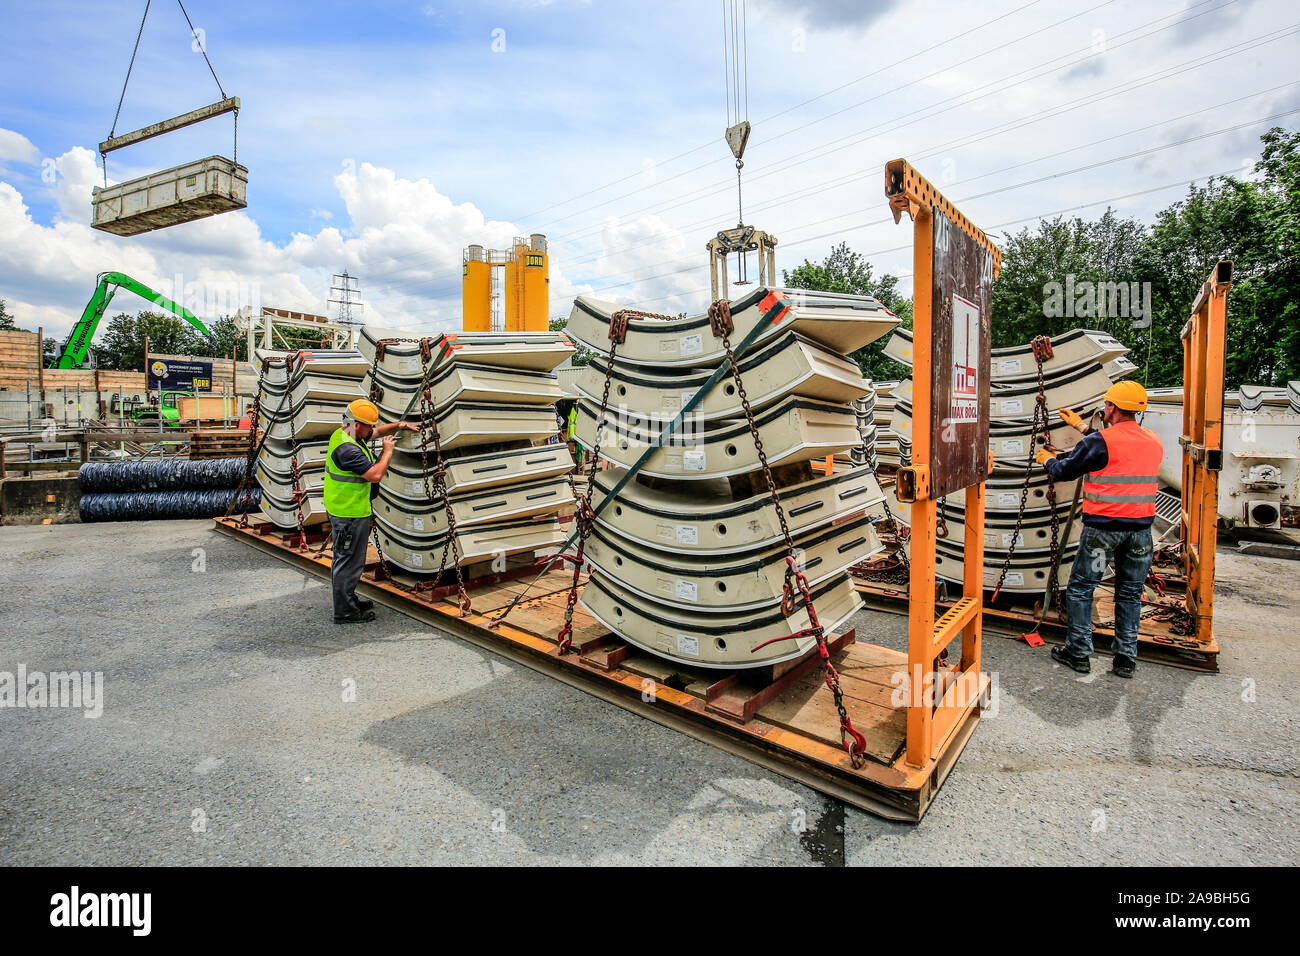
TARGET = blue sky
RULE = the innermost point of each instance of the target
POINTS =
(383, 137)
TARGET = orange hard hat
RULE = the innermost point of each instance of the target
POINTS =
(1127, 395)
(363, 411)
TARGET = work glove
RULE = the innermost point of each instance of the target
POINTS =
(1043, 454)
(1073, 419)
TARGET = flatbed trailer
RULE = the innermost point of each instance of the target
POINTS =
(780, 718)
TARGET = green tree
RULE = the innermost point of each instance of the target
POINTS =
(121, 344)
(1257, 225)
(7, 323)
(1064, 254)
(844, 270)
(1254, 223)
(581, 355)
(226, 335)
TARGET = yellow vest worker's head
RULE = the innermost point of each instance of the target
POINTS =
(360, 419)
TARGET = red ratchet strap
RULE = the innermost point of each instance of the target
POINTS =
(770, 302)
(806, 632)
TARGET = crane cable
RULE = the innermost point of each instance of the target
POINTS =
(735, 58)
(131, 66)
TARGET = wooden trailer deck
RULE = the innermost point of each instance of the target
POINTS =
(782, 718)
(1014, 615)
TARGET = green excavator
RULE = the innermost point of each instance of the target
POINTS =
(76, 347)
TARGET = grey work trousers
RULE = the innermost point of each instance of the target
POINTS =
(351, 541)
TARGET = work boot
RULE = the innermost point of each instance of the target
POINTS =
(356, 617)
(364, 604)
(1123, 666)
(1080, 664)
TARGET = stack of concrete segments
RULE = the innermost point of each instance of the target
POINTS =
(865, 410)
(885, 443)
(303, 397)
(1083, 365)
(492, 396)
(687, 557)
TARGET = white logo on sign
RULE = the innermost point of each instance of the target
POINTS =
(964, 404)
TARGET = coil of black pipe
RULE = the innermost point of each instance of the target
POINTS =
(147, 505)
(162, 474)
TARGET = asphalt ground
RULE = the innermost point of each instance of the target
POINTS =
(241, 726)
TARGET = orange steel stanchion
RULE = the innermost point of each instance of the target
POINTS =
(931, 723)
(1202, 440)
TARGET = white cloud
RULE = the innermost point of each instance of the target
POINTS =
(656, 253)
(17, 147)
(77, 176)
(403, 239)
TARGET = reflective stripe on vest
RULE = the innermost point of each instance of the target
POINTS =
(1127, 486)
(347, 494)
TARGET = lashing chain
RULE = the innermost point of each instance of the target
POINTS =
(889, 513)
(722, 325)
(251, 461)
(297, 496)
(1174, 612)
(435, 486)
(1042, 349)
(583, 513)
(899, 535)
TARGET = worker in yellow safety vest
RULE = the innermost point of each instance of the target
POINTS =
(1120, 467)
(352, 475)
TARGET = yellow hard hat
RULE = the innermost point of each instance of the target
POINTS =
(368, 414)
(1127, 395)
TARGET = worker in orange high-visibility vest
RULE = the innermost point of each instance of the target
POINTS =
(1120, 467)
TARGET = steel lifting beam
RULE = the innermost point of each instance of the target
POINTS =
(229, 105)
(931, 725)
(1204, 338)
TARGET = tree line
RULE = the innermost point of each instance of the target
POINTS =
(1114, 273)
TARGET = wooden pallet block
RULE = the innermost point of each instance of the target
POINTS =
(810, 709)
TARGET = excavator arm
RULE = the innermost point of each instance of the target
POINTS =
(78, 341)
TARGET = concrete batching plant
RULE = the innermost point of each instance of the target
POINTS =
(519, 278)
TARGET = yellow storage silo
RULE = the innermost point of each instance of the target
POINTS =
(476, 290)
(537, 279)
(515, 301)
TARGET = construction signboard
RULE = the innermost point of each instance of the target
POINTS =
(962, 306)
(170, 375)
